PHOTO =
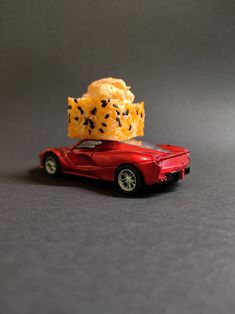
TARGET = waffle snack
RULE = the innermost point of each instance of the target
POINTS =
(106, 111)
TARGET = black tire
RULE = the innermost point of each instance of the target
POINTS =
(125, 186)
(51, 165)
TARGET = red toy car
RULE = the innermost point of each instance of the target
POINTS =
(130, 164)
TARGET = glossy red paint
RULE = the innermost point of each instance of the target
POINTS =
(156, 163)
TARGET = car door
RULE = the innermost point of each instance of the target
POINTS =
(81, 157)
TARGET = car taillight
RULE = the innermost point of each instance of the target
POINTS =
(157, 159)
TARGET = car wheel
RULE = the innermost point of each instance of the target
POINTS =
(51, 165)
(128, 180)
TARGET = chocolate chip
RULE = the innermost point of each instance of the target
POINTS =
(80, 109)
(92, 126)
(125, 113)
(93, 111)
(69, 107)
(106, 116)
(104, 103)
(76, 118)
(118, 113)
(141, 115)
(137, 112)
(115, 106)
(86, 121)
(101, 130)
(109, 100)
(69, 118)
(119, 122)
(130, 127)
(89, 131)
(75, 100)
(104, 124)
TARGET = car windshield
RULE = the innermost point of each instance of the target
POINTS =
(88, 144)
(146, 145)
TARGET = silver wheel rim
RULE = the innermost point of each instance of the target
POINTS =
(50, 165)
(127, 180)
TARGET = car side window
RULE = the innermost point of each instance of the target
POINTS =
(88, 144)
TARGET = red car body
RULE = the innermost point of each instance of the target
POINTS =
(156, 163)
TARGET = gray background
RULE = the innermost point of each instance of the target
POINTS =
(73, 245)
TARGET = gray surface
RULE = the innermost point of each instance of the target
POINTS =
(72, 245)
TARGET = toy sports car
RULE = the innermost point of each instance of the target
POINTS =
(130, 164)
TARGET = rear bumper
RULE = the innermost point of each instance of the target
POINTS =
(175, 176)
(156, 174)
(187, 170)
